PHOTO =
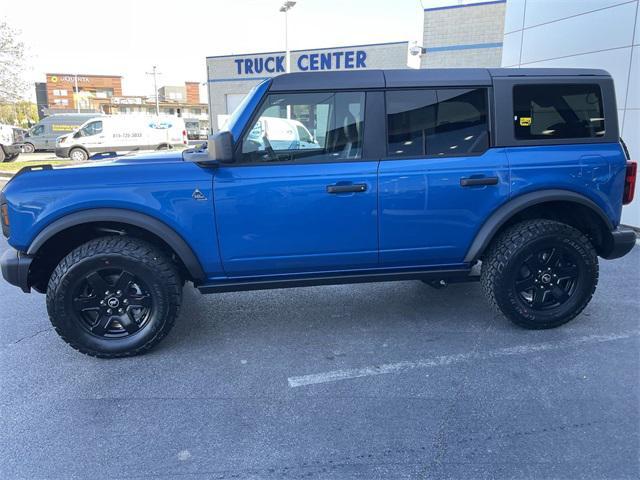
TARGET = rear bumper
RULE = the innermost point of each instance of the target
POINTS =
(15, 268)
(12, 149)
(622, 241)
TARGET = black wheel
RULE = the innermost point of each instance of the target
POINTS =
(540, 273)
(11, 158)
(78, 154)
(28, 148)
(114, 297)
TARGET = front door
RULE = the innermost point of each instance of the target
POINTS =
(440, 180)
(300, 197)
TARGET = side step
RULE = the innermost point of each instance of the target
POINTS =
(235, 285)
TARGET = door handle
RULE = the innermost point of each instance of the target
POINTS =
(348, 188)
(476, 181)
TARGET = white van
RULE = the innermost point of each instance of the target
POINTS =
(282, 134)
(9, 143)
(122, 133)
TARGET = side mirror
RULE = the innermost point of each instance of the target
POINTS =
(220, 147)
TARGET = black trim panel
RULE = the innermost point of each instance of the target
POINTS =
(509, 209)
(152, 225)
(235, 285)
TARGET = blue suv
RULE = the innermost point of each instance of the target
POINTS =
(515, 178)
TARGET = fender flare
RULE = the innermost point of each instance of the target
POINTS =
(499, 217)
(129, 217)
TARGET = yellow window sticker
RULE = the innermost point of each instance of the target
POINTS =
(525, 121)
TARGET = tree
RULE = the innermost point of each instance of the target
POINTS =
(21, 114)
(12, 64)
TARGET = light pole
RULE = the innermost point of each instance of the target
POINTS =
(76, 97)
(286, 6)
(155, 74)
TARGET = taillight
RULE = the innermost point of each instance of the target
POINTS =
(184, 137)
(629, 183)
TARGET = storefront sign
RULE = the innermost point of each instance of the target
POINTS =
(338, 60)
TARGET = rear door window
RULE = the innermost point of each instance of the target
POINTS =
(558, 111)
(437, 122)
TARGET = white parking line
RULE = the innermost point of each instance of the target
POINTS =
(337, 375)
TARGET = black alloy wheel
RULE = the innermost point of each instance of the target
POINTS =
(112, 303)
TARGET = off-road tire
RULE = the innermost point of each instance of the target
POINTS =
(502, 267)
(141, 259)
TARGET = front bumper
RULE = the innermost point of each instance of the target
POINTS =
(15, 268)
(62, 152)
(621, 242)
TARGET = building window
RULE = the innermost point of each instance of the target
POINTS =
(557, 111)
(307, 126)
(437, 122)
(60, 101)
(104, 93)
(60, 93)
(196, 111)
(175, 95)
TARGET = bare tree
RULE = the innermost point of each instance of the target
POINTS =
(12, 64)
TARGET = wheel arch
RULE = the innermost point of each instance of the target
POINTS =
(562, 205)
(86, 224)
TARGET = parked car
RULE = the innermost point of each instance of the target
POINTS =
(417, 174)
(9, 143)
(197, 129)
(43, 135)
(122, 133)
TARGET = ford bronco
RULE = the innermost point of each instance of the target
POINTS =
(432, 175)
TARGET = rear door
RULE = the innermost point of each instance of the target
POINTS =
(285, 207)
(440, 180)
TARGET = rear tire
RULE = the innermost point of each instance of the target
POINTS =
(114, 297)
(540, 273)
(78, 155)
(3, 156)
(28, 148)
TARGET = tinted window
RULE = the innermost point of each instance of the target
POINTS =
(557, 111)
(307, 126)
(437, 122)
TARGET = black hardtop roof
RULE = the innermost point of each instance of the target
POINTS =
(428, 77)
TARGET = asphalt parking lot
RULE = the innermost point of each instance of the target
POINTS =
(389, 380)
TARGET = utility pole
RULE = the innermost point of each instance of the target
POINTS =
(155, 74)
(76, 97)
(288, 5)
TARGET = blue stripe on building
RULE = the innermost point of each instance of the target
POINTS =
(464, 6)
(469, 46)
(237, 79)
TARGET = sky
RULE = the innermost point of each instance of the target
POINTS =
(128, 37)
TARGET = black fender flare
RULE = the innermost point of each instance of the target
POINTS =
(128, 217)
(499, 217)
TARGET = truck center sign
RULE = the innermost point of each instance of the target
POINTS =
(339, 60)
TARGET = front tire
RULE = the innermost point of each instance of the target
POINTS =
(78, 155)
(114, 297)
(540, 273)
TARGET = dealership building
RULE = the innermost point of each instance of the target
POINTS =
(230, 77)
(595, 34)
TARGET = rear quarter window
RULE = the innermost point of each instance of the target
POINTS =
(557, 111)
